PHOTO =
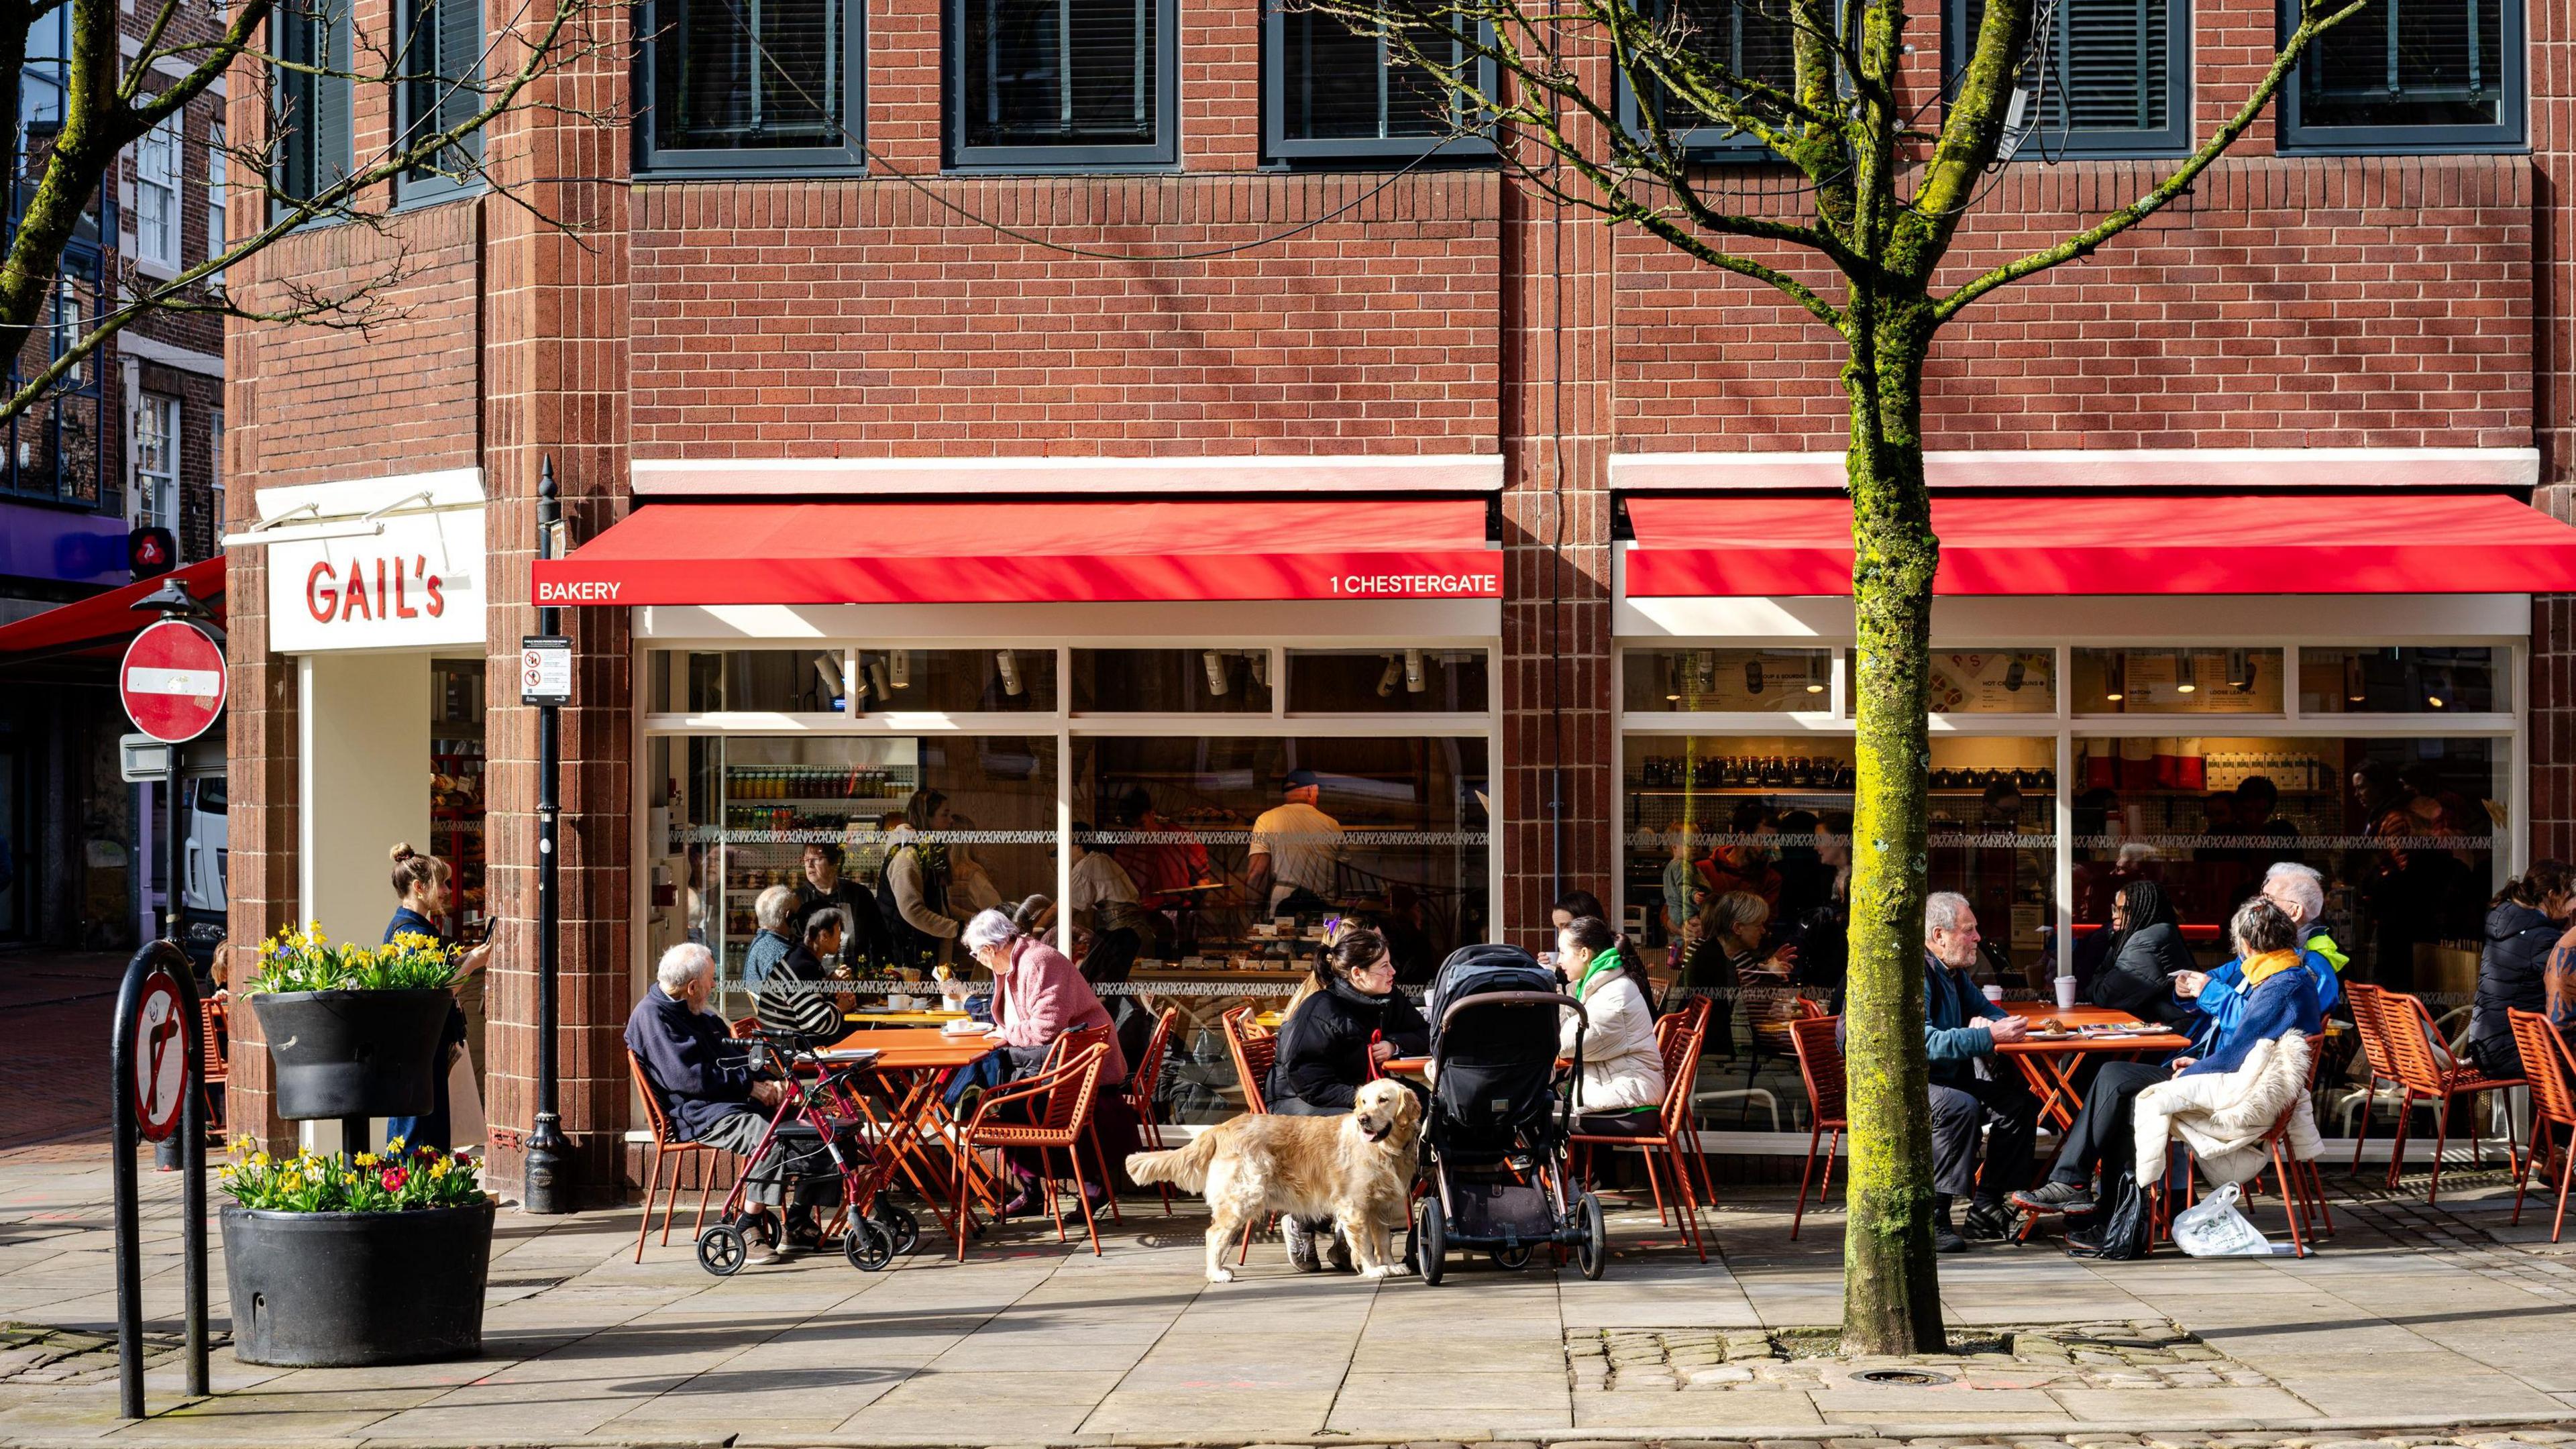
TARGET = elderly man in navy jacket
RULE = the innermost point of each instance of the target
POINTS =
(702, 1078)
(1972, 1085)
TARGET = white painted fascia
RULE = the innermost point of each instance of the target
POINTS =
(2203, 468)
(180, 359)
(447, 488)
(969, 477)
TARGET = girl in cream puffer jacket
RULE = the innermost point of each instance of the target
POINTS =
(1623, 1069)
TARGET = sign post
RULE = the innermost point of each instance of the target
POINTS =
(157, 1073)
(545, 681)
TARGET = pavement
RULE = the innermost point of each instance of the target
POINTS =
(2410, 1319)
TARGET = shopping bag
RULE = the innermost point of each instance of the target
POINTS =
(2213, 1228)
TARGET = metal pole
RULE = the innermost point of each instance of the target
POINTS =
(129, 1235)
(192, 1165)
(547, 1189)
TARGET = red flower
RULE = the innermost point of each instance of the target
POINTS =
(393, 1178)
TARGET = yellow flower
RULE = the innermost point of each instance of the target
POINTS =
(394, 1145)
(440, 1170)
(259, 1159)
(366, 1159)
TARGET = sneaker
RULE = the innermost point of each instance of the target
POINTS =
(1946, 1239)
(1337, 1256)
(1988, 1222)
(2081, 1244)
(2053, 1196)
(1300, 1238)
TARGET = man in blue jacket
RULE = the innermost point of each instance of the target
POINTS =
(701, 1078)
(1972, 1085)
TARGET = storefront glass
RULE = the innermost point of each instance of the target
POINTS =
(1738, 681)
(737, 681)
(1380, 681)
(1171, 681)
(2464, 679)
(2198, 680)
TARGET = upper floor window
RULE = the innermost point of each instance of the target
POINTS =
(1746, 40)
(218, 195)
(752, 84)
(1328, 90)
(442, 88)
(2411, 75)
(156, 462)
(1056, 83)
(156, 196)
(312, 96)
(2108, 76)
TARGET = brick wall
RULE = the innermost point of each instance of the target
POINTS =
(2553, 624)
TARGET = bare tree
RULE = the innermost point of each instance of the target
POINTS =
(111, 101)
(1857, 243)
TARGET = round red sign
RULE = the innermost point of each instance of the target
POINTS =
(172, 681)
(160, 1058)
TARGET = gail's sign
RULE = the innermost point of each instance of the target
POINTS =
(417, 584)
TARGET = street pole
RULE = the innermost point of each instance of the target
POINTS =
(548, 1188)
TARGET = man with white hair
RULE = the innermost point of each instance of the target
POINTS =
(1971, 1086)
(771, 910)
(2300, 892)
(701, 1078)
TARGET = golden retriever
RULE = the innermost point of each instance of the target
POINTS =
(1356, 1169)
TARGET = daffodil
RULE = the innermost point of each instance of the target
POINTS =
(394, 1145)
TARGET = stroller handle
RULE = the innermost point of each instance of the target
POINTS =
(1582, 1023)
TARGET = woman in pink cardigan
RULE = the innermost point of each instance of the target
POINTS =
(1038, 996)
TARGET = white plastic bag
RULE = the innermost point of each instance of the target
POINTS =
(2213, 1228)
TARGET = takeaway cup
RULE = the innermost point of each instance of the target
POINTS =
(1995, 994)
(2065, 993)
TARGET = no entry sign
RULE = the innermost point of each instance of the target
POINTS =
(160, 1058)
(172, 681)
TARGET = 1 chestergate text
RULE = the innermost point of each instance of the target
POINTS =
(1415, 586)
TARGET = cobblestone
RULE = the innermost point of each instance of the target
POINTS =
(2105, 1355)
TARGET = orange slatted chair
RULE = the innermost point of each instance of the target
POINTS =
(1681, 1046)
(1075, 1041)
(1820, 1062)
(214, 1026)
(1692, 1016)
(743, 1026)
(2546, 1065)
(1143, 1076)
(1059, 1110)
(2363, 998)
(1254, 1051)
(2405, 1031)
(665, 1146)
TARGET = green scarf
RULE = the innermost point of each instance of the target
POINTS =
(1605, 961)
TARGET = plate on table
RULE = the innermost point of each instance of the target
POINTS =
(963, 1026)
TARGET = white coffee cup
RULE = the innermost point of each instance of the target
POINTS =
(1995, 994)
(2065, 993)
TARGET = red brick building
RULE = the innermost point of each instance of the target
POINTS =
(1022, 464)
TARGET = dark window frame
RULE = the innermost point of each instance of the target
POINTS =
(850, 157)
(2509, 134)
(417, 185)
(1698, 143)
(1162, 154)
(1277, 145)
(2174, 138)
(311, 156)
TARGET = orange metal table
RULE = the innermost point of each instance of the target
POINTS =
(915, 1063)
(2050, 1063)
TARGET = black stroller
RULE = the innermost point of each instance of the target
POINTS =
(1494, 1138)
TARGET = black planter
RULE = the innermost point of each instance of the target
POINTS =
(353, 1053)
(331, 1290)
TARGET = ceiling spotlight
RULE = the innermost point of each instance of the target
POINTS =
(2119, 682)
(1260, 662)
(1753, 675)
(2435, 688)
(2014, 676)
(1213, 660)
(2353, 692)
(1413, 682)
(2186, 679)
(827, 668)
(1393, 676)
(2240, 671)
(877, 682)
(1006, 662)
(899, 668)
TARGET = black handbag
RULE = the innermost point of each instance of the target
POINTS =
(2123, 1219)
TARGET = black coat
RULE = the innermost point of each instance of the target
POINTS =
(868, 946)
(2509, 975)
(2139, 978)
(1323, 1046)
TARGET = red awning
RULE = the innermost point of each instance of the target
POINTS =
(936, 553)
(102, 623)
(2366, 543)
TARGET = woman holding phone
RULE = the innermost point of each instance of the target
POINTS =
(422, 884)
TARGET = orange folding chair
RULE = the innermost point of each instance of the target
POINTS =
(1058, 1112)
(2406, 1033)
(2545, 1065)
(1681, 1045)
(1143, 1076)
(665, 1146)
(1820, 1062)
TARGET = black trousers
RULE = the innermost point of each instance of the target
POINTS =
(2103, 1126)
(2010, 1114)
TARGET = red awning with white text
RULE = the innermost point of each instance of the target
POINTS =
(2354, 543)
(1089, 552)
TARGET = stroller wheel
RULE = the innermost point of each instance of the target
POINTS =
(899, 1224)
(1430, 1241)
(722, 1251)
(867, 1245)
(1511, 1259)
(1593, 1253)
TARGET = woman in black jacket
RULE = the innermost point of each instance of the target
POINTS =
(2146, 949)
(1349, 1019)
(2526, 919)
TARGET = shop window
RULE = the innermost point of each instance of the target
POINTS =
(312, 95)
(767, 86)
(1730, 681)
(156, 196)
(1061, 83)
(2410, 75)
(442, 62)
(2178, 681)
(956, 681)
(2401, 830)
(2403, 679)
(737, 681)
(731, 816)
(1334, 92)
(1743, 39)
(457, 801)
(1171, 681)
(1991, 681)
(2109, 76)
(1379, 681)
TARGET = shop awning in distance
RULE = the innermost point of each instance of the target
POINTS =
(1072, 552)
(1734, 547)
(100, 626)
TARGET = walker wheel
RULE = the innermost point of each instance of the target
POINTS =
(1430, 1241)
(1593, 1253)
(867, 1244)
(899, 1223)
(722, 1251)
